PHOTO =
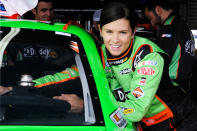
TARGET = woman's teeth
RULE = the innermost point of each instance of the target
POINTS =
(115, 46)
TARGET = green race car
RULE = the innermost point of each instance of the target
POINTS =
(33, 50)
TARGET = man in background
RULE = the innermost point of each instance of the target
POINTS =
(44, 10)
(175, 38)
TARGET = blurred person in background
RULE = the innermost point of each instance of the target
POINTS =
(95, 30)
(174, 37)
(44, 10)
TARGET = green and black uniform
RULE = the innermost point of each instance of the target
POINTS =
(176, 39)
(141, 84)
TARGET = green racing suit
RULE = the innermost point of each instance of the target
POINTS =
(59, 77)
(140, 82)
(64, 82)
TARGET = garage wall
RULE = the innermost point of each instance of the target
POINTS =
(188, 10)
(192, 13)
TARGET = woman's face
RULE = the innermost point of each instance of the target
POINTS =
(117, 36)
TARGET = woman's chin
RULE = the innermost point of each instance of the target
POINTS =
(114, 54)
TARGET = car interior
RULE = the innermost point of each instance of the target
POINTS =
(35, 54)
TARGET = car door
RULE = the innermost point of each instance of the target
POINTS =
(40, 55)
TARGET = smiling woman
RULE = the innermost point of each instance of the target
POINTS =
(117, 36)
(137, 71)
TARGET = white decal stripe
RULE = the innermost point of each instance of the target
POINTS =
(76, 47)
(63, 33)
(5, 41)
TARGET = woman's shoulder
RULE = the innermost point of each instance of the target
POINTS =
(141, 42)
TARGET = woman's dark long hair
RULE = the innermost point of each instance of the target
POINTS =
(113, 11)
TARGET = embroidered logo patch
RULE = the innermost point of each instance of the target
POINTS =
(152, 63)
(125, 71)
(166, 35)
(117, 118)
(137, 58)
(117, 62)
(189, 47)
(138, 93)
(127, 111)
(121, 95)
(142, 81)
(146, 71)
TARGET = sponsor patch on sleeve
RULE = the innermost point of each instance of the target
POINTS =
(117, 118)
(127, 111)
(138, 92)
(146, 71)
(142, 81)
(150, 63)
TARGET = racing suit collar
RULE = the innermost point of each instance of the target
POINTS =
(169, 18)
(121, 58)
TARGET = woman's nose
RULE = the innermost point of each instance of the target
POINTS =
(115, 38)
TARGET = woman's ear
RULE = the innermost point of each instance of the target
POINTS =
(99, 26)
(134, 30)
